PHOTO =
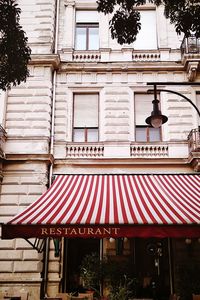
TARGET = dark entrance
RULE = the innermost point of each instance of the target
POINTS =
(148, 257)
(75, 250)
(151, 262)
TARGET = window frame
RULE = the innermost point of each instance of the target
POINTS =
(147, 134)
(86, 26)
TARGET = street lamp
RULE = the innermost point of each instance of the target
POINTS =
(156, 119)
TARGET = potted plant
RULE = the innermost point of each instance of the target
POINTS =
(188, 280)
(91, 272)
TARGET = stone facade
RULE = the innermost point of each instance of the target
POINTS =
(37, 124)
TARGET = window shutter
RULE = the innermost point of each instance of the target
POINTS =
(143, 108)
(87, 16)
(147, 36)
(86, 110)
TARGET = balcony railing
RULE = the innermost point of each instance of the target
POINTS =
(85, 150)
(149, 151)
(190, 45)
(98, 150)
(194, 140)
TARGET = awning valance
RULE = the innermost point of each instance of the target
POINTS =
(112, 205)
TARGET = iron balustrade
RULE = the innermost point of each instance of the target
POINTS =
(190, 45)
(194, 140)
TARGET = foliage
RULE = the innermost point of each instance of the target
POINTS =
(116, 275)
(14, 52)
(125, 23)
(91, 271)
(188, 280)
(123, 290)
(120, 280)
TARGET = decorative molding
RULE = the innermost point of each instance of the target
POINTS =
(86, 56)
(85, 151)
(148, 151)
(192, 68)
(69, 3)
(51, 60)
(30, 157)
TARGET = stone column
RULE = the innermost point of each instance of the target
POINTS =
(69, 24)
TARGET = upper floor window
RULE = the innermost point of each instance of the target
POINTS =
(87, 30)
(143, 108)
(85, 127)
(147, 36)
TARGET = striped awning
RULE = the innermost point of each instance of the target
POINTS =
(113, 205)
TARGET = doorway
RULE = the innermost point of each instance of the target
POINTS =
(151, 263)
(75, 250)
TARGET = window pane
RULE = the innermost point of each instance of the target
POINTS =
(154, 134)
(140, 134)
(79, 135)
(80, 39)
(93, 39)
(92, 134)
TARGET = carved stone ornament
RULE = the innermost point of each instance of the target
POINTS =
(192, 68)
(69, 2)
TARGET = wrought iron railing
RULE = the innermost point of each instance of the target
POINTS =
(194, 140)
(190, 45)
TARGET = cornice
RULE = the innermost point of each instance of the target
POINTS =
(121, 161)
(30, 157)
(123, 66)
(52, 60)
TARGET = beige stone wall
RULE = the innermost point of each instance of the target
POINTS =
(28, 114)
(37, 19)
(27, 120)
(20, 264)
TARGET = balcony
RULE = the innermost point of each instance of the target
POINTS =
(190, 45)
(194, 140)
(115, 150)
(194, 148)
(190, 51)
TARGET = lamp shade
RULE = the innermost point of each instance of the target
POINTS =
(156, 119)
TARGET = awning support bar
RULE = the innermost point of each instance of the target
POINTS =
(38, 244)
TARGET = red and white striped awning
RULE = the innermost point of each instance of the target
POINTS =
(112, 205)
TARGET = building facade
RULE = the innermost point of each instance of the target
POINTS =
(82, 111)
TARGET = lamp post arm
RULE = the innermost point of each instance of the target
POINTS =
(176, 93)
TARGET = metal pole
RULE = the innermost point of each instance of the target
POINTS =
(179, 94)
(101, 259)
(170, 266)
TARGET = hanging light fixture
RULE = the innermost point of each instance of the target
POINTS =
(156, 119)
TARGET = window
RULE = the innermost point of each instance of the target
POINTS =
(87, 30)
(143, 108)
(147, 36)
(85, 127)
